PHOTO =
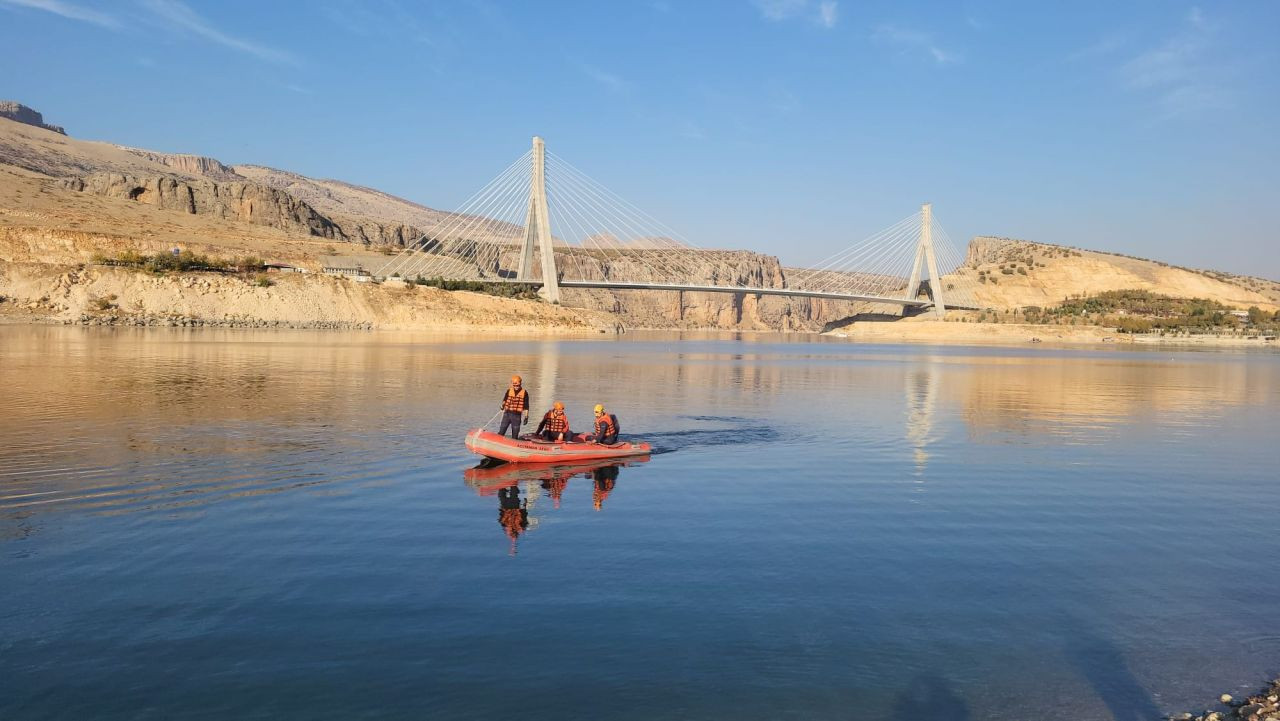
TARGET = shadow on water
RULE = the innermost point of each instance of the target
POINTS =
(930, 696)
(1103, 665)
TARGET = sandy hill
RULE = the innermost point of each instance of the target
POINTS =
(1020, 273)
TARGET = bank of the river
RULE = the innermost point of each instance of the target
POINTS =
(96, 295)
(111, 296)
(927, 330)
(1261, 706)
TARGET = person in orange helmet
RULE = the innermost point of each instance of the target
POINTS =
(515, 408)
(554, 425)
(606, 430)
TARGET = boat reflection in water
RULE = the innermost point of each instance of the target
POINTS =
(518, 514)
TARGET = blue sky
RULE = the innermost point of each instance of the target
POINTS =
(787, 126)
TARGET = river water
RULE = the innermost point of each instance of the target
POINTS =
(205, 524)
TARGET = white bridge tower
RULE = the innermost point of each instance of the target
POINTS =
(537, 229)
(924, 252)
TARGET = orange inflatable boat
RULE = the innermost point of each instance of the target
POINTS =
(528, 450)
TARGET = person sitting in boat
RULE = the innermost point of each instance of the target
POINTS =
(515, 408)
(554, 425)
(606, 426)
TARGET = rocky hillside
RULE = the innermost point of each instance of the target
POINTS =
(193, 165)
(333, 196)
(196, 185)
(1008, 273)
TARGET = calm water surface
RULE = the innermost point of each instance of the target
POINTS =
(283, 525)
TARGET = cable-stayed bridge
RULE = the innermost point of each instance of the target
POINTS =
(545, 223)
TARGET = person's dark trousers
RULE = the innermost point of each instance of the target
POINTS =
(610, 439)
(510, 418)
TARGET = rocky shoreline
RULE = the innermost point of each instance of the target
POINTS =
(1262, 706)
(168, 321)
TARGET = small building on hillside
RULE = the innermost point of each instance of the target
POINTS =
(345, 269)
(282, 268)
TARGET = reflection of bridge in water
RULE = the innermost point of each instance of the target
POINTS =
(545, 224)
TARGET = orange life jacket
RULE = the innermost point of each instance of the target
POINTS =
(606, 425)
(557, 422)
(513, 521)
(517, 401)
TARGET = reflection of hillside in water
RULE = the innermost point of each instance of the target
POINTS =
(1084, 399)
(118, 421)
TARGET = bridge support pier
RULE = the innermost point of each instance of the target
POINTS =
(924, 255)
(537, 229)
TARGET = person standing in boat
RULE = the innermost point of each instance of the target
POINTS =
(554, 425)
(606, 426)
(515, 408)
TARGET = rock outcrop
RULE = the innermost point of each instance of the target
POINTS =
(336, 197)
(244, 201)
(248, 202)
(197, 165)
(22, 114)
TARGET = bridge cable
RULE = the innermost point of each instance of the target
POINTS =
(450, 218)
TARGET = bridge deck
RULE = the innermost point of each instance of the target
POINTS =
(794, 292)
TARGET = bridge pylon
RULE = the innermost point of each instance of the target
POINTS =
(537, 229)
(924, 255)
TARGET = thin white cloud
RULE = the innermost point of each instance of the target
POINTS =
(67, 10)
(828, 13)
(1179, 70)
(825, 13)
(691, 130)
(177, 14)
(915, 42)
(609, 80)
(1104, 46)
(779, 9)
(785, 102)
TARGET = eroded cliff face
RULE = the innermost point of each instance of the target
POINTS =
(197, 165)
(688, 309)
(747, 311)
(241, 200)
(248, 202)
